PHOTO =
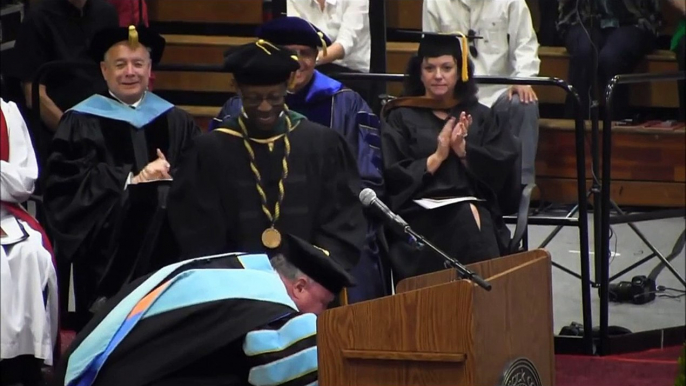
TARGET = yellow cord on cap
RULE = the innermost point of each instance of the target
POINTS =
(133, 36)
(262, 43)
(321, 38)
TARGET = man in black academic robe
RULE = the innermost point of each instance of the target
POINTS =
(266, 172)
(109, 170)
(231, 319)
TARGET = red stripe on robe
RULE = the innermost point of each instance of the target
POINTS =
(12, 207)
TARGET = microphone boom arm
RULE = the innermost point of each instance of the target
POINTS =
(464, 272)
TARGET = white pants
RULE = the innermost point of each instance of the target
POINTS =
(28, 318)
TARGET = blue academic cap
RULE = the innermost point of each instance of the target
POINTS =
(292, 30)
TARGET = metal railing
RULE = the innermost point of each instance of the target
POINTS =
(607, 203)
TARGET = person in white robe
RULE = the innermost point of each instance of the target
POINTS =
(28, 282)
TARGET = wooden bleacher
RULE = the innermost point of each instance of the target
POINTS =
(647, 163)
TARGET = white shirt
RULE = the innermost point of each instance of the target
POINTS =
(345, 22)
(509, 46)
(134, 105)
(129, 179)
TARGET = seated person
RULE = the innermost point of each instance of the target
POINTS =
(509, 48)
(623, 32)
(326, 101)
(231, 319)
(112, 157)
(59, 30)
(442, 143)
(346, 22)
(28, 282)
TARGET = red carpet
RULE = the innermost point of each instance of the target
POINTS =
(647, 368)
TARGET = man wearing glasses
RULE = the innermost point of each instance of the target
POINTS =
(266, 172)
(328, 102)
(508, 47)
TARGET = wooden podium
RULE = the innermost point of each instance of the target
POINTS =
(440, 330)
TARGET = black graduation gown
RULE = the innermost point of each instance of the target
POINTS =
(214, 206)
(409, 137)
(99, 225)
(199, 343)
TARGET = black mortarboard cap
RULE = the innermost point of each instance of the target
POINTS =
(106, 38)
(316, 263)
(291, 30)
(260, 63)
(434, 44)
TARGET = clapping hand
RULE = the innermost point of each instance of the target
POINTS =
(459, 134)
(444, 139)
(155, 170)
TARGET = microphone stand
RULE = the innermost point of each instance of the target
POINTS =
(464, 272)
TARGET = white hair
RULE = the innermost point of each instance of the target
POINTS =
(285, 268)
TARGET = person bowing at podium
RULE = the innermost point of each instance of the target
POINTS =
(267, 171)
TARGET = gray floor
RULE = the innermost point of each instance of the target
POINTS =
(627, 248)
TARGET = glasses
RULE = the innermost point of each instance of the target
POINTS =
(471, 37)
(306, 53)
(256, 100)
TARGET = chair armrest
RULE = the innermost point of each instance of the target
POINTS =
(522, 217)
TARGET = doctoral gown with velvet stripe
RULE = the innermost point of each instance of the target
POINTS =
(220, 320)
(214, 205)
(97, 224)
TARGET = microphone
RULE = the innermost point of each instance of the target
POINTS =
(370, 200)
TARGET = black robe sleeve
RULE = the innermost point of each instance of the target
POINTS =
(81, 191)
(341, 224)
(491, 151)
(404, 174)
(198, 225)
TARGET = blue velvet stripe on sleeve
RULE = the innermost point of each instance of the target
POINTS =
(287, 354)
(267, 341)
(286, 369)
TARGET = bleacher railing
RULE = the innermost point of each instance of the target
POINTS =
(606, 204)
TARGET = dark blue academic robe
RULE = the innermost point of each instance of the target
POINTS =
(328, 102)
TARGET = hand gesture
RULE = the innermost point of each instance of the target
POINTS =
(458, 137)
(526, 93)
(155, 170)
(443, 147)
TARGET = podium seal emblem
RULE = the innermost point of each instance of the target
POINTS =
(521, 372)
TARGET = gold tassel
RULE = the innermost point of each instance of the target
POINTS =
(344, 297)
(321, 38)
(133, 36)
(464, 43)
(291, 82)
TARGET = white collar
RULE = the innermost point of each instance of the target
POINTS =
(330, 2)
(135, 105)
